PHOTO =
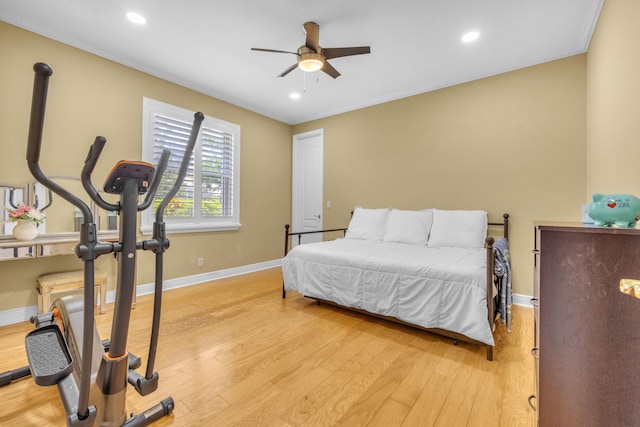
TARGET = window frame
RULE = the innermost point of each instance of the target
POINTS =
(151, 108)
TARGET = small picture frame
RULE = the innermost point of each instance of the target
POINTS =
(586, 219)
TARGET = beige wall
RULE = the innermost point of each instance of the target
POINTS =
(89, 96)
(511, 143)
(613, 101)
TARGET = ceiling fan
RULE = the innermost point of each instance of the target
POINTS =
(312, 57)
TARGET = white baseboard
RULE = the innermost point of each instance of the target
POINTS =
(17, 315)
(523, 300)
(200, 278)
(23, 314)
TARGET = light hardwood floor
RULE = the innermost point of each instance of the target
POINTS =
(233, 352)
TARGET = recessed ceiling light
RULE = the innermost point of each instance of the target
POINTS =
(294, 95)
(470, 36)
(136, 18)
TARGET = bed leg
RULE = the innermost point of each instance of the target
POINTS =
(284, 293)
(489, 353)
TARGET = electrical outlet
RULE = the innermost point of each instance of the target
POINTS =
(200, 262)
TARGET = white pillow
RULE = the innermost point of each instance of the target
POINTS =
(410, 227)
(367, 224)
(458, 229)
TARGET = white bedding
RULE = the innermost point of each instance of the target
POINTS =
(427, 286)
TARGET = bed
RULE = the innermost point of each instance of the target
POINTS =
(427, 269)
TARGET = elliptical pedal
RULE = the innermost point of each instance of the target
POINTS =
(48, 354)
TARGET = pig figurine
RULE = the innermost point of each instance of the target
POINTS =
(619, 209)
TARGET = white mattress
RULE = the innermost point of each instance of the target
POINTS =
(432, 287)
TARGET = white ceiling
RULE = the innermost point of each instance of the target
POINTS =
(415, 44)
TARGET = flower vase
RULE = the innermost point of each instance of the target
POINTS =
(25, 230)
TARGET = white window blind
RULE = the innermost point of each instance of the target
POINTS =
(209, 197)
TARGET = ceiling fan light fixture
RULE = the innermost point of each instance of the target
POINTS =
(309, 60)
(310, 65)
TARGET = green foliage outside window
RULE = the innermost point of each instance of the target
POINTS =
(183, 208)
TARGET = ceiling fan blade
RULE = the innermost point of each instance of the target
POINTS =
(288, 70)
(337, 52)
(327, 68)
(273, 50)
(313, 36)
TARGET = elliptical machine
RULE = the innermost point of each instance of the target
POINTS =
(65, 348)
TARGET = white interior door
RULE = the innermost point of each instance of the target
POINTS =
(307, 185)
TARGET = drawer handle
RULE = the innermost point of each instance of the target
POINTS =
(535, 351)
(630, 287)
(533, 396)
(535, 302)
(536, 251)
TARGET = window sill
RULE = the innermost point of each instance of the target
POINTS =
(193, 228)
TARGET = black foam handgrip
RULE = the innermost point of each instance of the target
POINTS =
(38, 104)
(94, 152)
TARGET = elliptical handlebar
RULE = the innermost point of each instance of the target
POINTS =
(158, 244)
(184, 165)
(34, 142)
(38, 105)
(85, 177)
(155, 182)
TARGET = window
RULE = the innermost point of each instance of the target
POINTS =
(209, 198)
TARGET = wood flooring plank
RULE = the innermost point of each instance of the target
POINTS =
(391, 414)
(373, 399)
(457, 406)
(430, 402)
(274, 409)
(357, 353)
(243, 413)
(424, 366)
(345, 396)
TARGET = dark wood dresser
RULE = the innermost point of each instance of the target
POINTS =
(587, 332)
